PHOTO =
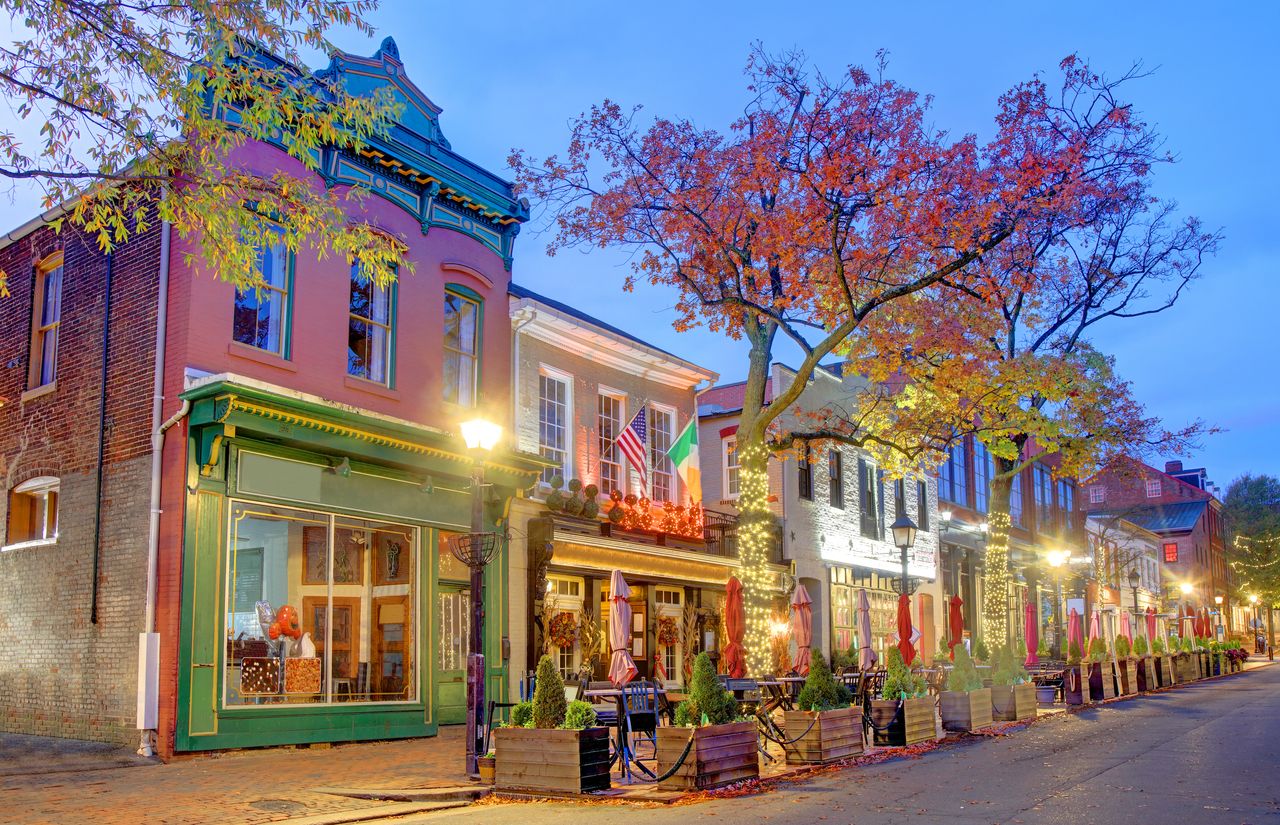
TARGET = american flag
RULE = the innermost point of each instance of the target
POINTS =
(632, 442)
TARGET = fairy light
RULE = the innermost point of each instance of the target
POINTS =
(753, 555)
(995, 595)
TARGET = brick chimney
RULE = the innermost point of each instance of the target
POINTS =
(1172, 467)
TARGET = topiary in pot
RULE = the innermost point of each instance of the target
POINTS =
(708, 703)
(1042, 650)
(522, 715)
(1187, 645)
(1157, 646)
(721, 752)
(980, 652)
(821, 691)
(579, 715)
(964, 676)
(1074, 654)
(590, 506)
(1122, 646)
(556, 499)
(1140, 646)
(1008, 668)
(900, 682)
(1097, 650)
(549, 704)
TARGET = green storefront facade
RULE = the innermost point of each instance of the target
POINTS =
(344, 517)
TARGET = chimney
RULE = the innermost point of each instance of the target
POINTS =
(1172, 467)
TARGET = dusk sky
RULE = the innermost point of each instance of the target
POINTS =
(511, 75)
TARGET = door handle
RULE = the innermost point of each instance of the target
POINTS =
(202, 664)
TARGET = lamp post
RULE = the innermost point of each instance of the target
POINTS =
(1217, 600)
(1057, 560)
(475, 550)
(904, 536)
(1253, 620)
(1135, 579)
(1186, 589)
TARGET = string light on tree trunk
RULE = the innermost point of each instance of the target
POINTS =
(754, 539)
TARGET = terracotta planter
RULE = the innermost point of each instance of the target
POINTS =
(1102, 683)
(721, 755)
(965, 710)
(561, 761)
(1075, 689)
(1128, 677)
(902, 722)
(1013, 703)
(833, 735)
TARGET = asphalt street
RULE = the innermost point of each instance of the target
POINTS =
(1206, 753)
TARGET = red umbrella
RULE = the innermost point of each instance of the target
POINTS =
(905, 629)
(622, 668)
(1095, 629)
(735, 622)
(1075, 633)
(957, 625)
(802, 627)
(1033, 635)
(1126, 629)
(1151, 624)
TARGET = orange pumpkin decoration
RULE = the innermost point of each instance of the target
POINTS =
(286, 624)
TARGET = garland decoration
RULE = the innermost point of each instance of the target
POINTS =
(564, 630)
(668, 631)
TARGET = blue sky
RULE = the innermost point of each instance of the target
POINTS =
(512, 75)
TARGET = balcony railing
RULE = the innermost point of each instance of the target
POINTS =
(719, 534)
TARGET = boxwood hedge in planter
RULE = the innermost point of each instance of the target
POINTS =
(1013, 695)
(824, 724)
(552, 745)
(965, 704)
(723, 749)
(1126, 667)
(1075, 690)
(904, 713)
(1101, 675)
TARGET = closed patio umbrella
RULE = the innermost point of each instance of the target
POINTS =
(1126, 629)
(905, 629)
(1151, 624)
(866, 653)
(735, 622)
(1075, 633)
(1095, 629)
(802, 627)
(622, 668)
(956, 620)
(1032, 634)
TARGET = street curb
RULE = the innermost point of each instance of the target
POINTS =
(366, 814)
(460, 793)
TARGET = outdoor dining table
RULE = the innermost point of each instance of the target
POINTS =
(625, 756)
(793, 684)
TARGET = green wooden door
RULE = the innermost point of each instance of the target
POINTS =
(453, 628)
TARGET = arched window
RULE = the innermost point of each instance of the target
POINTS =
(33, 511)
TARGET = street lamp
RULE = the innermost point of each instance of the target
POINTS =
(1254, 625)
(1057, 560)
(475, 550)
(1134, 579)
(904, 536)
(1217, 600)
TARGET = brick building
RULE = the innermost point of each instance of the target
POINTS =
(1182, 508)
(74, 478)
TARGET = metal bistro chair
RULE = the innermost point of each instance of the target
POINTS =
(640, 704)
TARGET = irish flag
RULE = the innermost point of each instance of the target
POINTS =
(684, 454)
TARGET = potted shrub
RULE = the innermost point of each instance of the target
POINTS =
(1128, 671)
(827, 726)
(1190, 660)
(723, 749)
(552, 744)
(1157, 676)
(1013, 696)
(1146, 670)
(1074, 688)
(903, 715)
(1101, 683)
(965, 704)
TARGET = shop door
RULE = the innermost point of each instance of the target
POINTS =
(453, 624)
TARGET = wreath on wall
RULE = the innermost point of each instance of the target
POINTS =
(668, 631)
(564, 630)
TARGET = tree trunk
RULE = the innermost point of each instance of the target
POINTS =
(755, 520)
(995, 592)
(1271, 633)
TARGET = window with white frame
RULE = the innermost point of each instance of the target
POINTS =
(261, 311)
(731, 468)
(669, 601)
(33, 511)
(461, 348)
(662, 427)
(609, 412)
(369, 333)
(1097, 494)
(565, 596)
(45, 322)
(553, 423)
(1153, 488)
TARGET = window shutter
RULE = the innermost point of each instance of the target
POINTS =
(880, 495)
(863, 508)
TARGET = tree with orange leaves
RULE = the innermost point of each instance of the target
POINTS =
(833, 216)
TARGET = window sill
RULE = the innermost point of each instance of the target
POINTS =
(270, 359)
(38, 391)
(25, 545)
(373, 387)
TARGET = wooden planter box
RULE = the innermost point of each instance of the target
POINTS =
(835, 734)
(559, 761)
(721, 755)
(1013, 703)
(902, 722)
(1128, 682)
(1075, 689)
(1102, 683)
(1163, 671)
(1146, 674)
(965, 710)
(1186, 667)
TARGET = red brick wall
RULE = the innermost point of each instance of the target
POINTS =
(61, 674)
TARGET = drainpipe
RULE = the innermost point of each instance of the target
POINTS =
(102, 444)
(149, 639)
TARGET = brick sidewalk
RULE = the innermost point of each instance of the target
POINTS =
(250, 786)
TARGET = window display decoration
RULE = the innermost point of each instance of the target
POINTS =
(285, 624)
(259, 675)
(564, 630)
(301, 675)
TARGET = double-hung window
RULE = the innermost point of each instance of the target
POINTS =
(922, 506)
(609, 427)
(553, 424)
(661, 433)
(805, 473)
(869, 500)
(461, 348)
(731, 468)
(369, 329)
(1042, 487)
(45, 322)
(262, 309)
(835, 478)
(1153, 488)
(982, 471)
(1015, 500)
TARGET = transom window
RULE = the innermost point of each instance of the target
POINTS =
(661, 433)
(261, 309)
(461, 349)
(369, 334)
(609, 427)
(33, 511)
(553, 424)
(45, 323)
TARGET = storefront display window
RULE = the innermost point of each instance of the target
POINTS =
(320, 608)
